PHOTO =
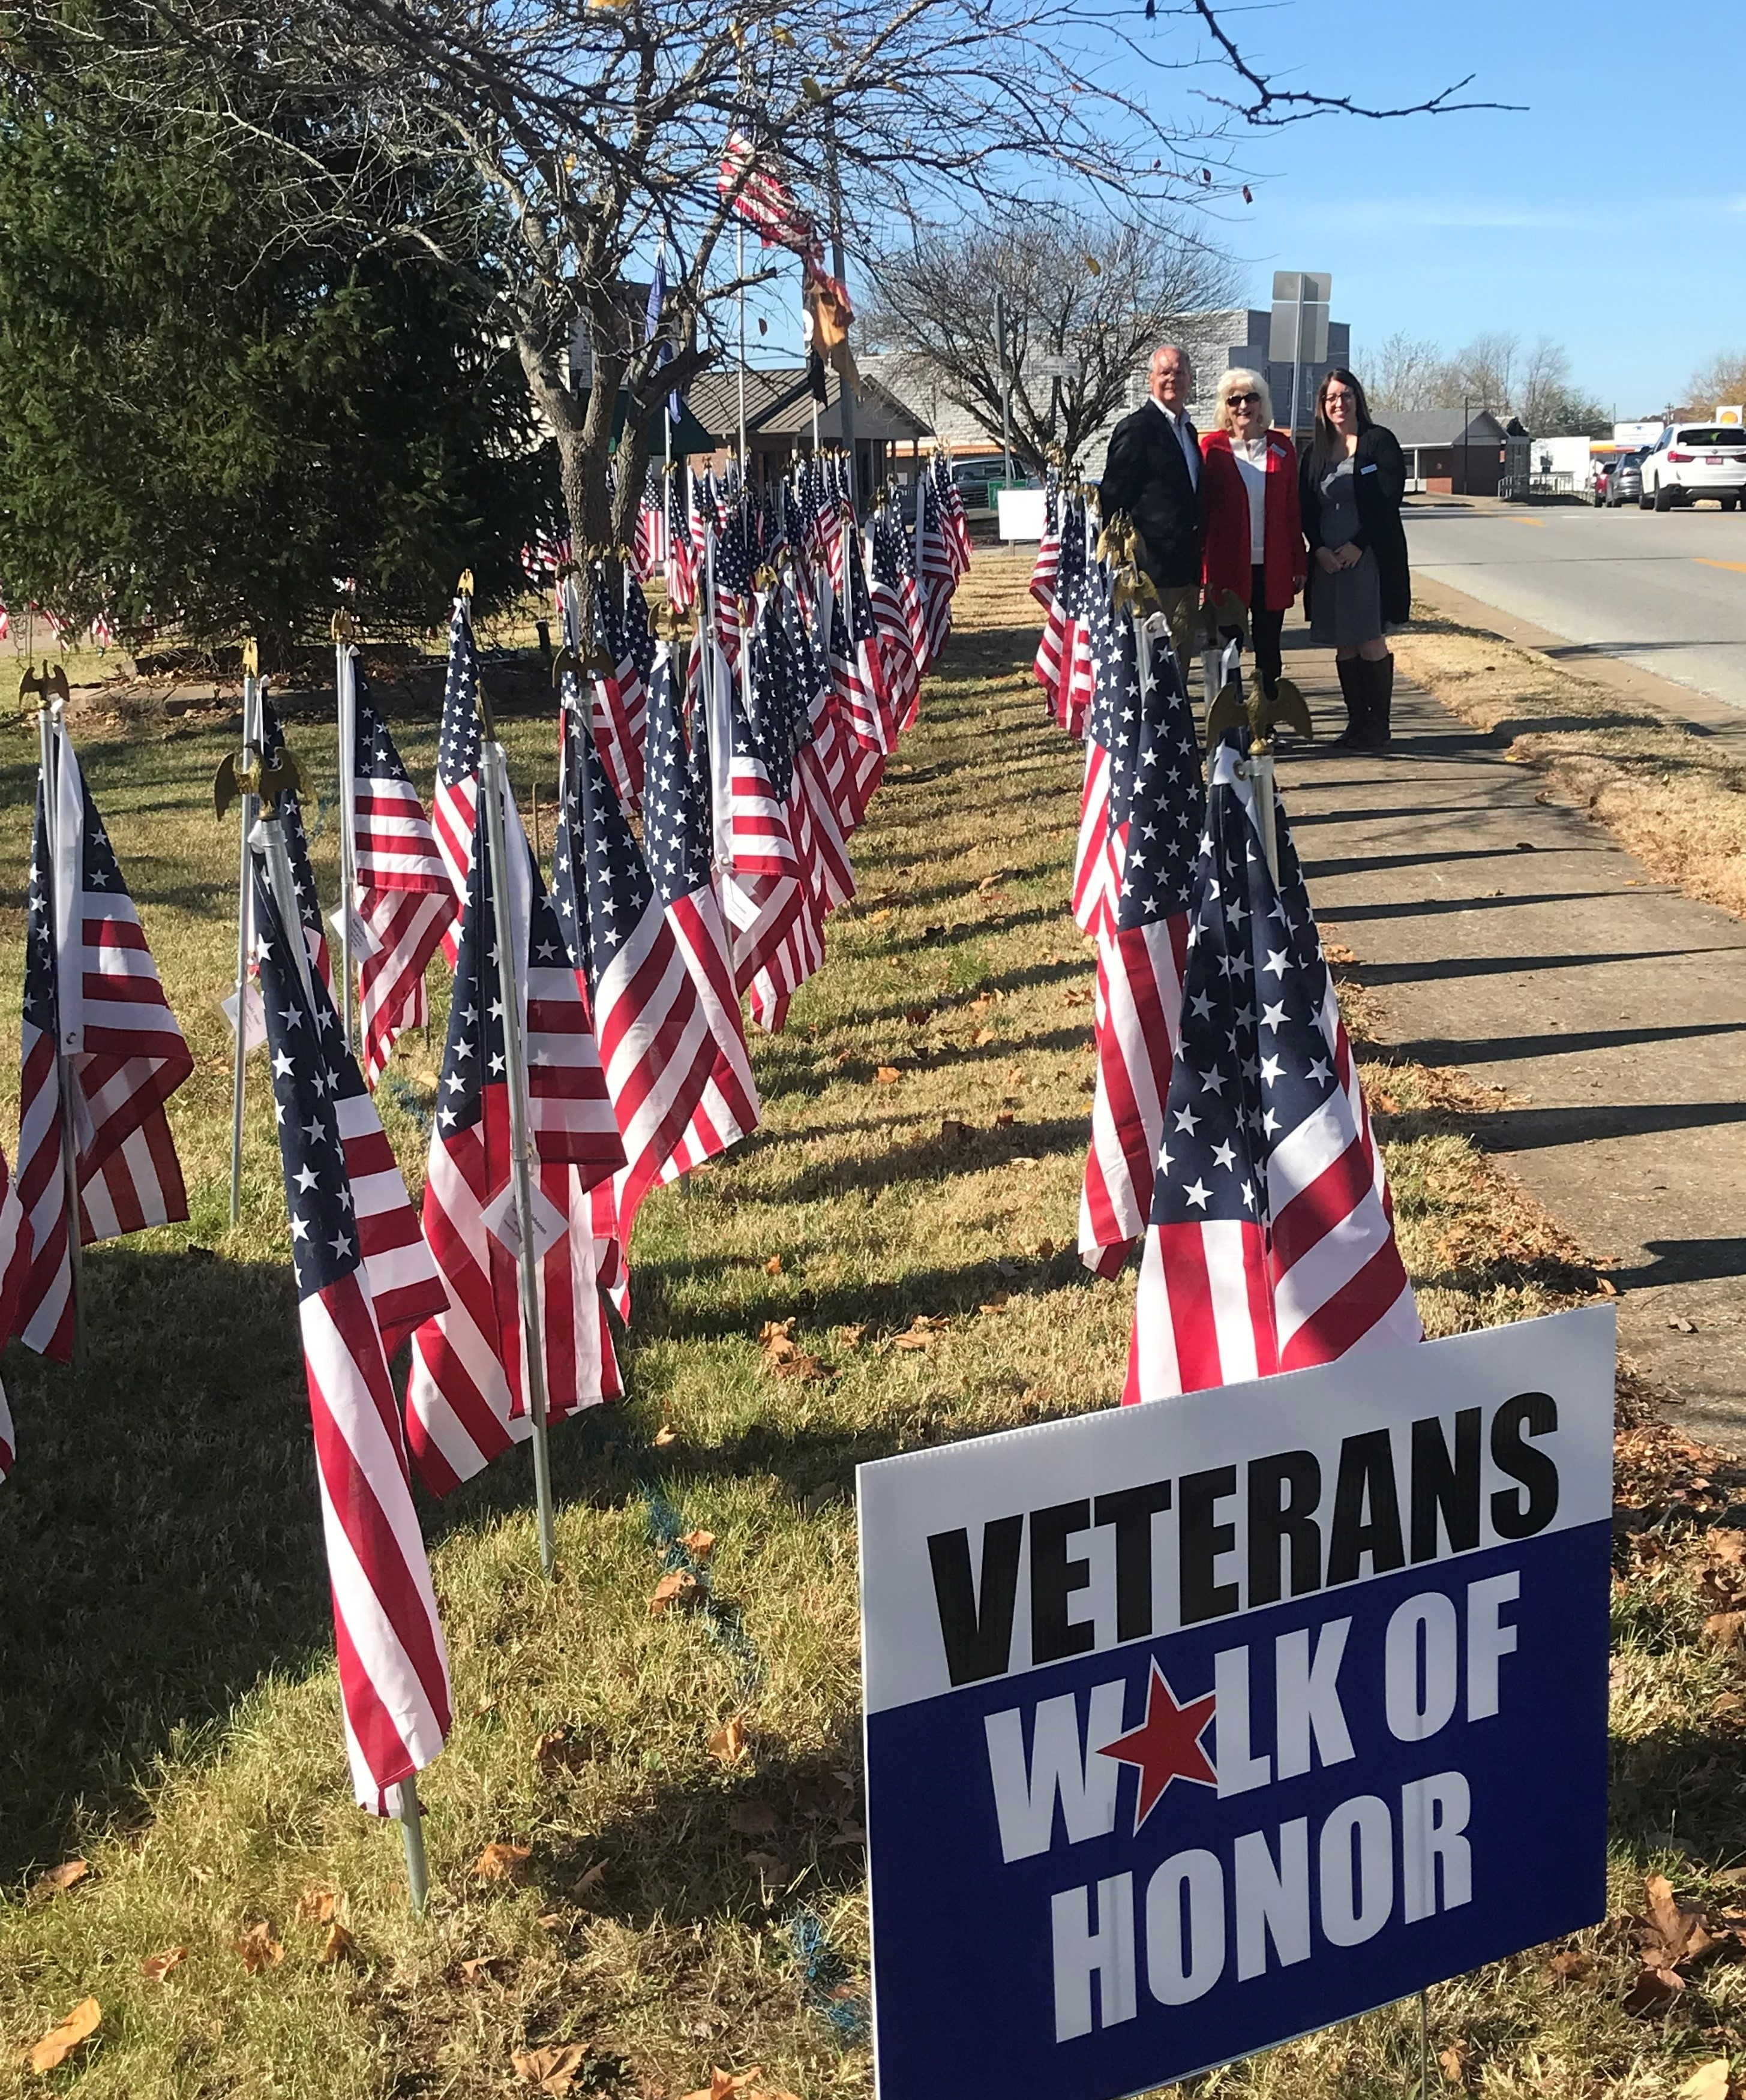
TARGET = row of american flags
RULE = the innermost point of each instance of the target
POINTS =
(707, 806)
(1230, 1140)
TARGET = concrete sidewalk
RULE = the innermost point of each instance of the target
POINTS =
(1517, 942)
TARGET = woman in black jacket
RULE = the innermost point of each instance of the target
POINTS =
(1351, 482)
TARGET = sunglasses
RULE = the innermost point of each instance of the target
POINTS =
(1241, 400)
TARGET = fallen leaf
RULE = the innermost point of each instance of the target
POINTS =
(775, 1337)
(502, 1861)
(585, 1884)
(1543, 797)
(887, 1073)
(1015, 1078)
(1452, 2061)
(482, 1968)
(59, 2042)
(752, 1819)
(1606, 1286)
(906, 1342)
(773, 1267)
(1709, 2081)
(681, 1588)
(805, 1368)
(60, 1877)
(1337, 951)
(699, 1544)
(1077, 998)
(1729, 1545)
(1571, 1966)
(1654, 1991)
(339, 1945)
(852, 1337)
(665, 1435)
(551, 2070)
(551, 1920)
(722, 2085)
(554, 1751)
(874, 917)
(1046, 1249)
(917, 1016)
(767, 1863)
(1724, 1628)
(983, 1035)
(259, 1949)
(318, 1904)
(1004, 1120)
(1677, 1926)
(156, 1967)
(990, 883)
(728, 1741)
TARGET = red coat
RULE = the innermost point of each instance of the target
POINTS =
(1226, 564)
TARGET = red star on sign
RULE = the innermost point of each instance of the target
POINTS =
(1166, 1745)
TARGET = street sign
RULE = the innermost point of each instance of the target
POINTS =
(1637, 434)
(1299, 332)
(1195, 1726)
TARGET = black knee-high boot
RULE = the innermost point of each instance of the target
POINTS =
(1351, 670)
(1379, 696)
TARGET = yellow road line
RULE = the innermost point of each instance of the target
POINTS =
(1540, 522)
(1703, 561)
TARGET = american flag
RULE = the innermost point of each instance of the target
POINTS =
(393, 1673)
(676, 836)
(1091, 859)
(818, 762)
(466, 1399)
(620, 705)
(91, 986)
(655, 1037)
(404, 894)
(764, 199)
(14, 1271)
(682, 553)
(649, 547)
(935, 576)
(955, 523)
(1156, 810)
(894, 600)
(1063, 654)
(289, 812)
(1269, 1246)
(1049, 550)
(857, 667)
(457, 796)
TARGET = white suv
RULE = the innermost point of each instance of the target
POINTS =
(1695, 460)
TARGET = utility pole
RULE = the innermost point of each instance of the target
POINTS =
(1000, 349)
(839, 264)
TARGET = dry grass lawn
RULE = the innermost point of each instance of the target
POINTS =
(685, 1787)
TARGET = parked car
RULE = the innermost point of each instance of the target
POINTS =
(1691, 460)
(1624, 482)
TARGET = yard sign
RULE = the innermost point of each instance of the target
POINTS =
(1195, 1726)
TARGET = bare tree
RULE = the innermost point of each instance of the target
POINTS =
(1405, 371)
(1719, 383)
(1544, 394)
(1087, 299)
(1485, 372)
(599, 127)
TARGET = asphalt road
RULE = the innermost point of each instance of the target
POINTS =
(1667, 592)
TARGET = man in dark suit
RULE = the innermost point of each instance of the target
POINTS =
(1153, 473)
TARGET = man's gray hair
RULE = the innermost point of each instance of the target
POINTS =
(1188, 363)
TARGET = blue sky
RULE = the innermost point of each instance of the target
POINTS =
(1611, 214)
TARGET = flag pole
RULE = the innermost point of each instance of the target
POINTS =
(251, 735)
(740, 269)
(50, 719)
(491, 787)
(411, 1818)
(346, 631)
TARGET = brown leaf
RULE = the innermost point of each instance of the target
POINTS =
(1571, 1966)
(1654, 1991)
(59, 2042)
(1046, 1249)
(767, 1863)
(1729, 1546)
(874, 917)
(60, 1877)
(681, 1588)
(887, 1073)
(1004, 1120)
(982, 1035)
(990, 883)
(259, 1949)
(805, 1368)
(918, 1016)
(318, 1904)
(773, 1267)
(1606, 1286)
(728, 1741)
(502, 1861)
(1724, 1628)
(852, 1337)
(554, 1751)
(1077, 998)
(1709, 2081)
(1454, 2062)
(483, 1968)
(156, 1967)
(699, 1544)
(723, 2084)
(1678, 1926)
(665, 1435)
(1015, 1078)
(588, 1882)
(339, 1945)
(911, 1341)
(752, 1819)
(551, 2070)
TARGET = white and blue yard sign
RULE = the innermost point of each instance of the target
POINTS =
(1195, 1726)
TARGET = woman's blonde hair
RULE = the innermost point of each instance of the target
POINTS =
(1240, 380)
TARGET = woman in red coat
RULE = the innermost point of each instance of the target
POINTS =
(1255, 542)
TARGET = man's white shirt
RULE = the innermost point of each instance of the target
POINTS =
(1185, 437)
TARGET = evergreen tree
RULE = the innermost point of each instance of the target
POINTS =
(208, 412)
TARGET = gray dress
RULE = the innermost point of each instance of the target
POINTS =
(1345, 608)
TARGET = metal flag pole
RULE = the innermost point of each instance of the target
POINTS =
(50, 729)
(492, 778)
(251, 737)
(268, 835)
(739, 268)
(346, 631)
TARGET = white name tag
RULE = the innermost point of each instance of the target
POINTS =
(363, 943)
(254, 1017)
(503, 1224)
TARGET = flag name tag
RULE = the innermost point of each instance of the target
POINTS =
(502, 1223)
(355, 931)
(254, 1017)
